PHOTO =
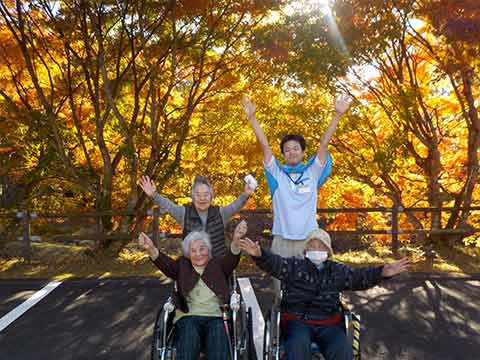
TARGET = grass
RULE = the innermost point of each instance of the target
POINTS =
(457, 259)
(62, 261)
(56, 261)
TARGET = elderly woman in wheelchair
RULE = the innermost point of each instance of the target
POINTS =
(310, 308)
(202, 290)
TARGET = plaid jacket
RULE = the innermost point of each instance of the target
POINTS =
(313, 293)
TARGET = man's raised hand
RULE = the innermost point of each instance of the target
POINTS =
(342, 103)
(248, 107)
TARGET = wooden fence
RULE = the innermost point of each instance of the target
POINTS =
(26, 218)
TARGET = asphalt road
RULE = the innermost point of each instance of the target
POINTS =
(419, 316)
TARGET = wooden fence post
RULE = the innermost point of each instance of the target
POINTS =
(156, 237)
(26, 234)
(395, 210)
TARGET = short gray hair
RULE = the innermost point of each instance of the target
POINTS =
(201, 180)
(194, 236)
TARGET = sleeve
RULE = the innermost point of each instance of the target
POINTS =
(226, 212)
(229, 262)
(168, 207)
(235, 249)
(272, 171)
(358, 278)
(167, 265)
(277, 266)
(321, 171)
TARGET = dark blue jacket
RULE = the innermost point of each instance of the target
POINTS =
(314, 293)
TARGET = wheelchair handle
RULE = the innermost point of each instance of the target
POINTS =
(235, 301)
(225, 311)
(168, 307)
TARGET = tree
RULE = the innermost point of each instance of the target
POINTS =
(425, 89)
(114, 86)
(419, 106)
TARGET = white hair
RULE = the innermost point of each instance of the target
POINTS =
(195, 236)
(201, 180)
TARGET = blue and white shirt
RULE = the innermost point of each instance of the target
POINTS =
(294, 191)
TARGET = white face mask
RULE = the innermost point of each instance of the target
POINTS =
(317, 257)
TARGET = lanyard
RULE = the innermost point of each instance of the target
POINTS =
(300, 179)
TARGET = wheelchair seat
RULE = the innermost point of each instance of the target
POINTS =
(240, 331)
(273, 343)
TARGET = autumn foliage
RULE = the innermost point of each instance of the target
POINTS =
(95, 94)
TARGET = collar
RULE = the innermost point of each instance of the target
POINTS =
(298, 168)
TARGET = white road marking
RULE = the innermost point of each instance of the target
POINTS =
(27, 304)
(257, 317)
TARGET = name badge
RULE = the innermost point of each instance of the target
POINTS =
(303, 189)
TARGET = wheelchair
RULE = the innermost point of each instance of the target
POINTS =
(238, 325)
(272, 340)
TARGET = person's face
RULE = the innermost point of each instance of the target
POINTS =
(198, 253)
(292, 152)
(201, 197)
(316, 245)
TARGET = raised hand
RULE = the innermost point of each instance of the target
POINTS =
(145, 242)
(248, 190)
(249, 110)
(250, 247)
(148, 186)
(396, 268)
(342, 103)
(240, 230)
(248, 106)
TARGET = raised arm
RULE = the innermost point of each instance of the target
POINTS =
(342, 104)
(249, 110)
(396, 267)
(166, 206)
(231, 260)
(236, 205)
(279, 267)
(166, 264)
(367, 277)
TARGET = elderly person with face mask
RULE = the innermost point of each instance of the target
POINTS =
(310, 306)
(203, 287)
(201, 215)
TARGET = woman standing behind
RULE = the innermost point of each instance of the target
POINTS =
(201, 215)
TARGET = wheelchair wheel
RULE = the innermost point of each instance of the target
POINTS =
(267, 337)
(250, 353)
(355, 328)
(352, 330)
(245, 349)
(157, 339)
